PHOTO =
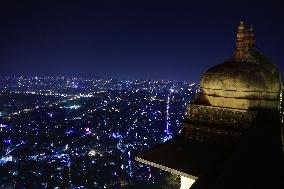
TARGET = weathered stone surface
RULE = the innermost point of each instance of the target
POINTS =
(237, 103)
(223, 116)
(242, 76)
(241, 94)
(253, 81)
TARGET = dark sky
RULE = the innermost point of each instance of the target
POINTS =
(131, 39)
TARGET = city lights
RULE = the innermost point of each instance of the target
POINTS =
(94, 129)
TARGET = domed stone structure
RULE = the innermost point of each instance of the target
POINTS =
(248, 80)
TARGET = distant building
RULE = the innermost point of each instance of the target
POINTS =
(231, 137)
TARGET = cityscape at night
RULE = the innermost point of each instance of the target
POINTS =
(84, 133)
(123, 94)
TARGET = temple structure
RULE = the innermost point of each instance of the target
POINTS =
(231, 137)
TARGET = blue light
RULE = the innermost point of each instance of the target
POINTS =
(69, 131)
(8, 141)
(2, 126)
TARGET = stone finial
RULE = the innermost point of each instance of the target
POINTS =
(251, 39)
(240, 43)
(245, 40)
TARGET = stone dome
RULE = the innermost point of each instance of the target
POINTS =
(248, 80)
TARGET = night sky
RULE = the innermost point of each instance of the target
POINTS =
(135, 39)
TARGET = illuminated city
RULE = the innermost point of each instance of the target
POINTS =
(124, 94)
(84, 133)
